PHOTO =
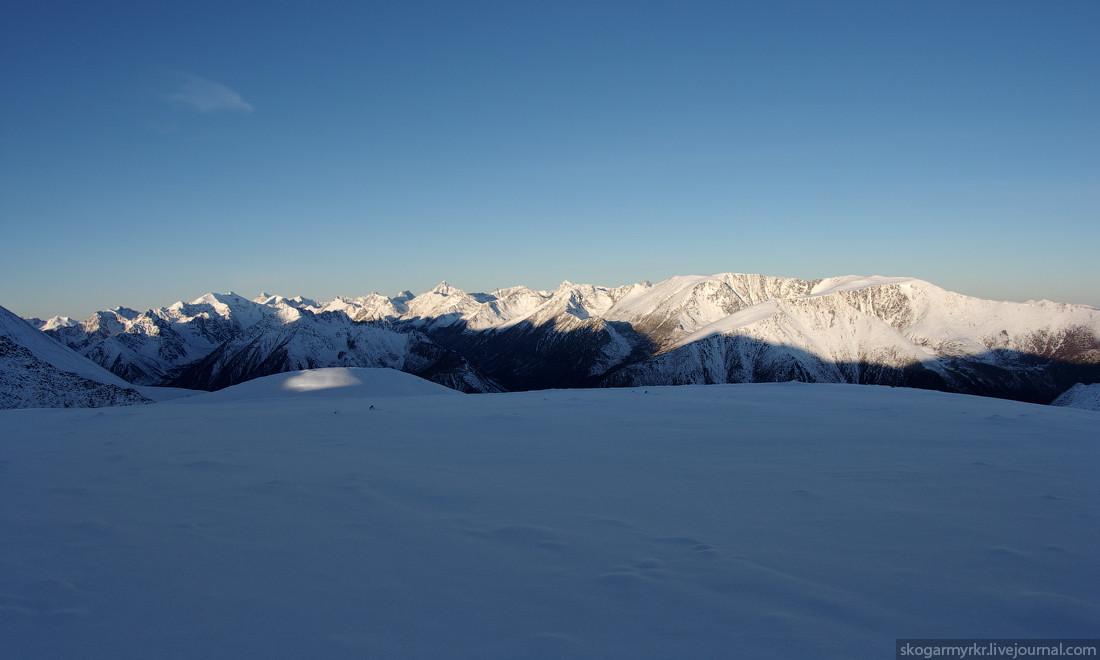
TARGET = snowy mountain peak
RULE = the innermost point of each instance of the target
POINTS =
(269, 300)
(57, 322)
(206, 299)
(443, 305)
(445, 289)
(231, 307)
(300, 301)
(217, 301)
(852, 282)
(511, 291)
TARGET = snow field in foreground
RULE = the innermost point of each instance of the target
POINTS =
(767, 521)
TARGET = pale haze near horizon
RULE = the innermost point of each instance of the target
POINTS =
(153, 153)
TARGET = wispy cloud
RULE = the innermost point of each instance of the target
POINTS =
(207, 96)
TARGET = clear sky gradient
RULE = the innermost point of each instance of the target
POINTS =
(155, 151)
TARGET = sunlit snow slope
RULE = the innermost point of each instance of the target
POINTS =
(757, 521)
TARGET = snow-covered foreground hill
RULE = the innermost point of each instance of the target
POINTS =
(293, 520)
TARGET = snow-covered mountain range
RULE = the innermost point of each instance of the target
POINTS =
(223, 339)
(689, 329)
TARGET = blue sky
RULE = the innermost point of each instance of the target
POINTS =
(154, 151)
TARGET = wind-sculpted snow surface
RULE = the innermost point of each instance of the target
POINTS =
(368, 514)
(689, 329)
